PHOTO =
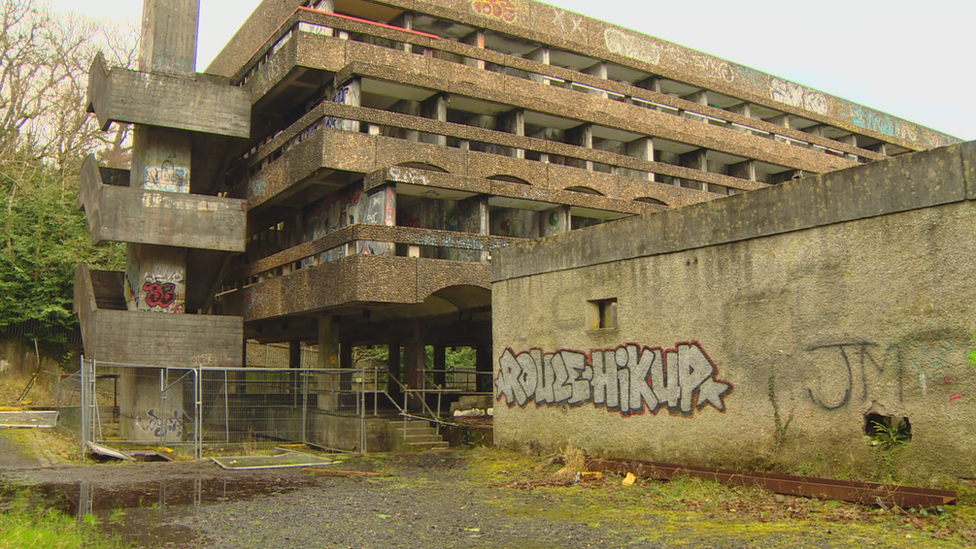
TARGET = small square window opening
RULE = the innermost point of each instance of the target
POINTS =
(603, 314)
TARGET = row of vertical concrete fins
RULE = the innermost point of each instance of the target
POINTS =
(538, 23)
(898, 185)
(113, 334)
(436, 74)
(119, 213)
(206, 104)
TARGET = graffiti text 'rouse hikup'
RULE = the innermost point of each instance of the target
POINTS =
(630, 379)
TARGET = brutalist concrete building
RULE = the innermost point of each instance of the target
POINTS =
(345, 169)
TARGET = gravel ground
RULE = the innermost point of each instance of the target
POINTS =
(424, 500)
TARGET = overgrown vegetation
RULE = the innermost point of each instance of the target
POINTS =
(23, 526)
(45, 133)
(696, 510)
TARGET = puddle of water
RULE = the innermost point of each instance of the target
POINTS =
(143, 512)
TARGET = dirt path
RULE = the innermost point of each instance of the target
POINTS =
(14, 454)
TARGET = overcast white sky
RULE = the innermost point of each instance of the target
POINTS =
(898, 56)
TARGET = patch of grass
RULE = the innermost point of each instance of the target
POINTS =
(24, 527)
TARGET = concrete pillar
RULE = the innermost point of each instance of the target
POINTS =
(477, 39)
(744, 109)
(415, 359)
(484, 367)
(405, 21)
(581, 135)
(380, 210)
(473, 213)
(598, 70)
(514, 123)
(440, 365)
(168, 43)
(155, 278)
(641, 149)
(328, 332)
(817, 130)
(700, 97)
(435, 108)
(744, 170)
(155, 275)
(395, 373)
(696, 160)
(348, 94)
(539, 55)
(413, 108)
(554, 221)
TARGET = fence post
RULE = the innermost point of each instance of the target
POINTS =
(82, 411)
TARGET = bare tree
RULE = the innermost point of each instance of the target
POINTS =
(44, 61)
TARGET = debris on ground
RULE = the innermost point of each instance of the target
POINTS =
(287, 458)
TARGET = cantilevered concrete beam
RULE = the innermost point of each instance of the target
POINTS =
(206, 104)
(127, 214)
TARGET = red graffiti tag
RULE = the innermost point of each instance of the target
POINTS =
(955, 397)
(161, 294)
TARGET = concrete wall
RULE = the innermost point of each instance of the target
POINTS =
(756, 330)
(19, 357)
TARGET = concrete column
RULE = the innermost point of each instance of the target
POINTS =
(695, 160)
(484, 367)
(295, 354)
(327, 6)
(598, 70)
(393, 366)
(168, 43)
(440, 365)
(473, 218)
(745, 109)
(155, 275)
(554, 221)
(539, 55)
(435, 108)
(514, 123)
(582, 135)
(817, 130)
(405, 21)
(415, 359)
(412, 108)
(477, 39)
(155, 278)
(642, 149)
(328, 397)
(744, 170)
(349, 94)
(700, 97)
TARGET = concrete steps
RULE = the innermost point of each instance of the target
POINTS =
(416, 435)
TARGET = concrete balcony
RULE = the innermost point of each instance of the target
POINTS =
(113, 334)
(118, 213)
(206, 104)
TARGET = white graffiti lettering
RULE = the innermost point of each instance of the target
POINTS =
(629, 379)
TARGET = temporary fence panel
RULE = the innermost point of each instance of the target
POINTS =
(190, 407)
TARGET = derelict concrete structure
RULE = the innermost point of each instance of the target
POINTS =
(382, 151)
